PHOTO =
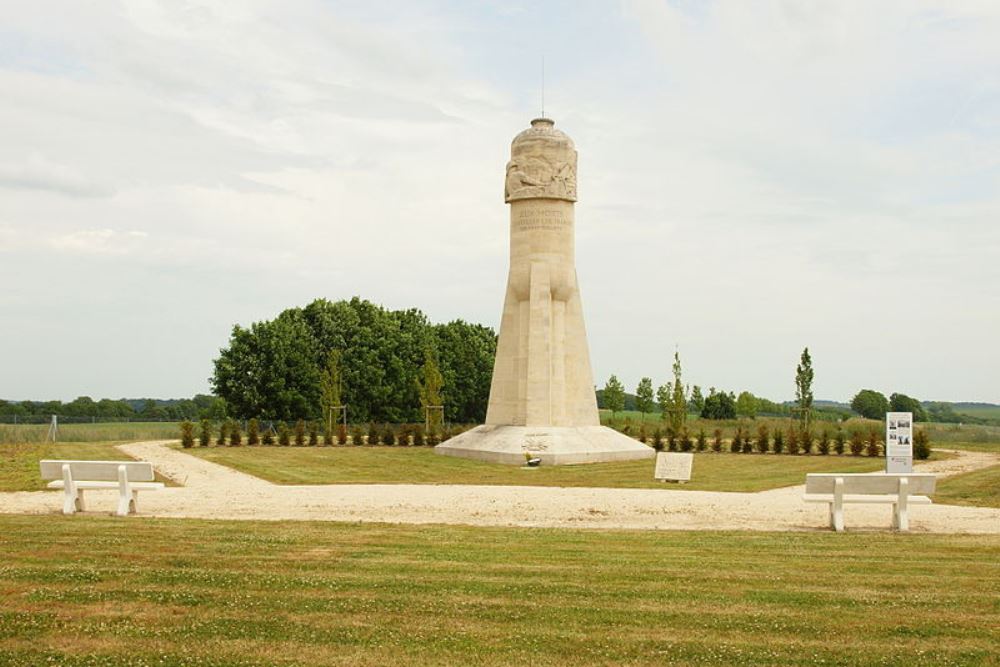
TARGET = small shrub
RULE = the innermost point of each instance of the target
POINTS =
(300, 433)
(206, 433)
(284, 435)
(658, 440)
(253, 432)
(672, 444)
(627, 427)
(341, 434)
(921, 445)
(857, 443)
(717, 440)
(762, 439)
(268, 438)
(357, 436)
(187, 434)
(824, 442)
(736, 446)
(702, 442)
(419, 436)
(793, 441)
(388, 435)
(313, 434)
(806, 442)
(872, 446)
(687, 444)
(223, 433)
(235, 435)
(747, 443)
(641, 436)
(839, 442)
(779, 441)
(329, 437)
(373, 434)
(404, 435)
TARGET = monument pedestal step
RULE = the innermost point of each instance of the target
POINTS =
(554, 445)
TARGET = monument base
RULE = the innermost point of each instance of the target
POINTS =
(554, 445)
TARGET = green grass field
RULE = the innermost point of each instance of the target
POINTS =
(100, 432)
(979, 487)
(100, 591)
(420, 465)
(19, 462)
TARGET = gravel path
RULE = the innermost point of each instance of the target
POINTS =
(212, 491)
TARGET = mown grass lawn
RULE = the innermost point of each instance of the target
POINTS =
(420, 465)
(103, 591)
(19, 462)
(979, 487)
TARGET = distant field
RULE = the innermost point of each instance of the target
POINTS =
(19, 462)
(99, 432)
(419, 465)
(983, 412)
(88, 591)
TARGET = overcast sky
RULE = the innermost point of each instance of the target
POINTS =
(754, 178)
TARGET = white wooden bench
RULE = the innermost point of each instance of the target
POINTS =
(74, 477)
(898, 489)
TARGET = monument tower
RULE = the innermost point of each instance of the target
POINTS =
(542, 398)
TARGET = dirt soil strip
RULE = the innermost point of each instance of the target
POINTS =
(212, 491)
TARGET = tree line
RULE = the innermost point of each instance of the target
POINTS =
(122, 409)
(385, 365)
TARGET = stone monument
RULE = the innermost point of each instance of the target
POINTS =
(542, 398)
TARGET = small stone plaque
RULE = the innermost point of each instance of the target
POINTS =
(673, 467)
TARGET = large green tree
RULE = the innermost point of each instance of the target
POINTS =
(272, 369)
(664, 398)
(870, 403)
(904, 403)
(746, 405)
(719, 405)
(430, 384)
(614, 395)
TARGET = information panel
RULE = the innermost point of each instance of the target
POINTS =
(899, 442)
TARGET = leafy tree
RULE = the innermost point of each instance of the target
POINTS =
(273, 369)
(664, 395)
(870, 403)
(803, 385)
(430, 384)
(903, 403)
(330, 387)
(614, 395)
(696, 403)
(746, 405)
(644, 397)
(719, 405)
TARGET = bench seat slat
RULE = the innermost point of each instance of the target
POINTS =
(863, 498)
(97, 471)
(147, 486)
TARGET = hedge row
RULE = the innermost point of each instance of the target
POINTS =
(312, 434)
(792, 441)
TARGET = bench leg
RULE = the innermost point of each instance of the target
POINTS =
(900, 508)
(80, 506)
(70, 500)
(837, 506)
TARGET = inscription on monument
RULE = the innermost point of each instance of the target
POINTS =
(548, 219)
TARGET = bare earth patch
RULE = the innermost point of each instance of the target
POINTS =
(211, 491)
